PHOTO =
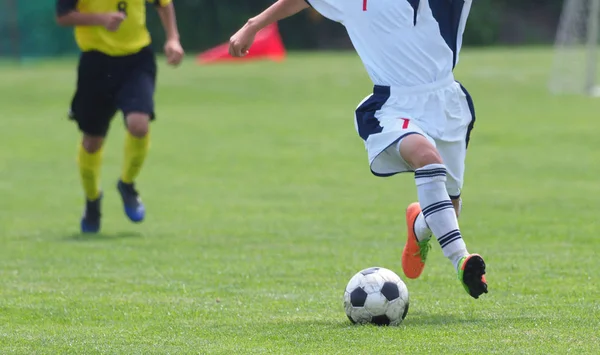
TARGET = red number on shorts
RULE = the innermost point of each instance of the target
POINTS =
(364, 5)
(405, 123)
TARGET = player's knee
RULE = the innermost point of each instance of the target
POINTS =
(418, 152)
(92, 144)
(137, 124)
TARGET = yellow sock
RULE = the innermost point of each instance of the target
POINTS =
(136, 150)
(89, 171)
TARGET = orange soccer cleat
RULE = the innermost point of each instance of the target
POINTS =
(415, 252)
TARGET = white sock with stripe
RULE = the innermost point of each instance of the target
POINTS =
(439, 212)
(421, 228)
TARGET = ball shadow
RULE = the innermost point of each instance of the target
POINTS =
(413, 319)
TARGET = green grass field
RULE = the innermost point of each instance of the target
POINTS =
(261, 207)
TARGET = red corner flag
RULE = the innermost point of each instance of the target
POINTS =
(267, 45)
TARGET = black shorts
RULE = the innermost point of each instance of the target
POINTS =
(107, 84)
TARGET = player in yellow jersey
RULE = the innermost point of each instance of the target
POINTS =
(116, 72)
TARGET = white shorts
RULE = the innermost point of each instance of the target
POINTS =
(442, 112)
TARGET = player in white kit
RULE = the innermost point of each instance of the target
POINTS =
(418, 118)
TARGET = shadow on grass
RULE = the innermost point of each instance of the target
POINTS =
(87, 237)
(414, 319)
(421, 318)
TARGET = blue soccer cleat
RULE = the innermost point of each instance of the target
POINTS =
(90, 222)
(132, 203)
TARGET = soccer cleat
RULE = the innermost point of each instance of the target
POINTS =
(471, 273)
(132, 203)
(415, 253)
(90, 222)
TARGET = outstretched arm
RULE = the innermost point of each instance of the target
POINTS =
(241, 41)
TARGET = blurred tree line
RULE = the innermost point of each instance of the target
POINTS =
(29, 29)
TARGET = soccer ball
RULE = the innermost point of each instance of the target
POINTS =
(376, 295)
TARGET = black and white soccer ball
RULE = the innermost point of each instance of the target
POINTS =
(376, 295)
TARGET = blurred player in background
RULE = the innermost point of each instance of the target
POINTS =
(117, 72)
(417, 119)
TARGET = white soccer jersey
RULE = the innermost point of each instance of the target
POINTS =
(402, 43)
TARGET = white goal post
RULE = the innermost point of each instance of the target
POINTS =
(575, 67)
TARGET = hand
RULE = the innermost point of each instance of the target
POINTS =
(240, 42)
(112, 21)
(174, 52)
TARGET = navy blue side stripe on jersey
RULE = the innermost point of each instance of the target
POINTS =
(449, 237)
(436, 207)
(415, 6)
(448, 14)
(366, 121)
(430, 173)
(472, 109)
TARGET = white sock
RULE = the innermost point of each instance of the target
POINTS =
(455, 258)
(439, 212)
(422, 229)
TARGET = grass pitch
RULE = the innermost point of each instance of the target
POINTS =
(261, 207)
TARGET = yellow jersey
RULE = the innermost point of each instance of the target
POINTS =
(130, 38)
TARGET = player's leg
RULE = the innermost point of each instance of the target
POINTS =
(420, 227)
(136, 100)
(377, 122)
(453, 149)
(137, 143)
(419, 234)
(438, 211)
(89, 160)
(92, 109)
(431, 176)
(470, 268)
